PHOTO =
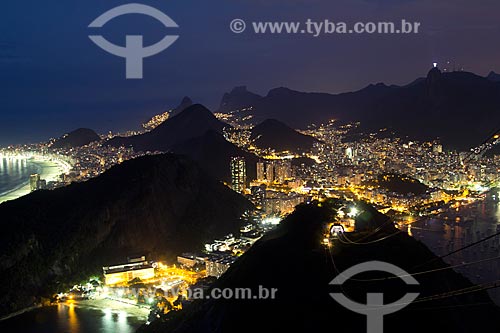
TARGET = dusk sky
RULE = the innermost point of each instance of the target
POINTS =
(54, 79)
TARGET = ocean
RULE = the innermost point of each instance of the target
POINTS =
(15, 173)
(74, 318)
(463, 227)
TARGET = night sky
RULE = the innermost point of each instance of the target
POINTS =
(54, 79)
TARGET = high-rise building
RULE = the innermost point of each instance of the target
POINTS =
(351, 152)
(261, 171)
(238, 174)
(283, 170)
(34, 181)
(258, 195)
(218, 264)
(270, 172)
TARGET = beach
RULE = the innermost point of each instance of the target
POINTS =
(110, 304)
(49, 169)
(84, 316)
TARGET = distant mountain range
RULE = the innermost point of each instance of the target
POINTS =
(155, 205)
(77, 138)
(460, 108)
(274, 134)
(197, 133)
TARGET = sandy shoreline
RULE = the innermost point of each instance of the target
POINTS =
(50, 171)
(109, 304)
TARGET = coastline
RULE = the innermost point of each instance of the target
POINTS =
(20, 312)
(110, 304)
(104, 304)
(50, 170)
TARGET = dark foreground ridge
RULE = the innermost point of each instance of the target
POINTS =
(158, 205)
(213, 153)
(292, 259)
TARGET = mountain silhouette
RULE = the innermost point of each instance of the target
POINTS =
(77, 138)
(237, 99)
(492, 76)
(276, 135)
(292, 260)
(192, 122)
(158, 205)
(185, 103)
(213, 153)
(460, 108)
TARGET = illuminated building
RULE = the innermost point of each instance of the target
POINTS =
(126, 272)
(277, 203)
(229, 243)
(186, 260)
(217, 264)
(283, 171)
(238, 174)
(270, 172)
(261, 171)
(349, 153)
(258, 195)
(437, 148)
(34, 182)
(190, 260)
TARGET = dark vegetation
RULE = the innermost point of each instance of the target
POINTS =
(400, 184)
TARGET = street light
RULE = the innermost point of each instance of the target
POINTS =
(354, 212)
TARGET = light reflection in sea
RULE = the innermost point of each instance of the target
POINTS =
(71, 317)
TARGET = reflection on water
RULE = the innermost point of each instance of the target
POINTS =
(454, 231)
(115, 321)
(72, 318)
(14, 172)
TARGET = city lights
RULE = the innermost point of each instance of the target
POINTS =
(271, 220)
(353, 212)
